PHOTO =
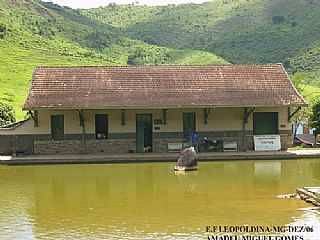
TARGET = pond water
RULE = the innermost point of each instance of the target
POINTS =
(149, 201)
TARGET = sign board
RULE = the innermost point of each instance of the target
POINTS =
(267, 143)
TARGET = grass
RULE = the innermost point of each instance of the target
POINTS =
(34, 33)
(16, 67)
(310, 93)
(240, 31)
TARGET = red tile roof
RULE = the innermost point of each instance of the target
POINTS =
(163, 86)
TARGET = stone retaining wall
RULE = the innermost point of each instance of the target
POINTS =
(58, 147)
(77, 146)
(160, 145)
(286, 141)
(10, 144)
(111, 146)
(74, 145)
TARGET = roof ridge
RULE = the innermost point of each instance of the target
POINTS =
(161, 65)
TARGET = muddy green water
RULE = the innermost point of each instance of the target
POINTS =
(148, 201)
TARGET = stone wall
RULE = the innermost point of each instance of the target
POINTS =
(57, 147)
(77, 146)
(20, 144)
(111, 146)
(124, 143)
(6, 145)
(160, 145)
(286, 141)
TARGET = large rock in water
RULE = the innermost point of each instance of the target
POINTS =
(187, 160)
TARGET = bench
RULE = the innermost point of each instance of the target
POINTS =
(175, 147)
(230, 146)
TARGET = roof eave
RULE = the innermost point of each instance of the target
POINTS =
(159, 107)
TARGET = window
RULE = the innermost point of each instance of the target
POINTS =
(57, 127)
(265, 123)
(101, 121)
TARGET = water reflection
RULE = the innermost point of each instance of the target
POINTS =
(267, 170)
(147, 201)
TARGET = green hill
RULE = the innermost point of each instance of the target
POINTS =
(240, 31)
(34, 33)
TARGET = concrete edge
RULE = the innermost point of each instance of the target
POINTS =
(146, 159)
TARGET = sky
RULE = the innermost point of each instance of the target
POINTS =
(98, 3)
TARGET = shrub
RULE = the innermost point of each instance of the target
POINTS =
(3, 31)
(315, 117)
(278, 19)
(7, 114)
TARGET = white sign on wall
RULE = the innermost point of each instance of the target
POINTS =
(267, 143)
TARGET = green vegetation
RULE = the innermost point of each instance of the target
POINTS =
(7, 114)
(241, 31)
(315, 117)
(36, 33)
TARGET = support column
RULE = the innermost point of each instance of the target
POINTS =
(35, 116)
(164, 116)
(206, 112)
(246, 114)
(123, 117)
(83, 135)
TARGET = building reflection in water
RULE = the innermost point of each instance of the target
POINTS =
(267, 171)
(148, 200)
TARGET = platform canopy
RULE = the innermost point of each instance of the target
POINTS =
(164, 86)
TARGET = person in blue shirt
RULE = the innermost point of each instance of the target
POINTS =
(195, 140)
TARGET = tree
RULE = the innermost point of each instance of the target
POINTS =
(302, 116)
(7, 114)
(3, 31)
(315, 117)
(299, 119)
(278, 19)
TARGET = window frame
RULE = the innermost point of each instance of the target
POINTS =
(104, 135)
(55, 135)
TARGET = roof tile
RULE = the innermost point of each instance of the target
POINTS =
(161, 86)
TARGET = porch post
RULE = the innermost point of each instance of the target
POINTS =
(164, 116)
(123, 117)
(83, 135)
(243, 141)
(205, 116)
(246, 114)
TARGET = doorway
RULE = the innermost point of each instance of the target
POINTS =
(143, 133)
(189, 124)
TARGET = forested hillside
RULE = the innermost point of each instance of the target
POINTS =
(240, 31)
(36, 33)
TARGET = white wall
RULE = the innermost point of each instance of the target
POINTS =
(219, 119)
